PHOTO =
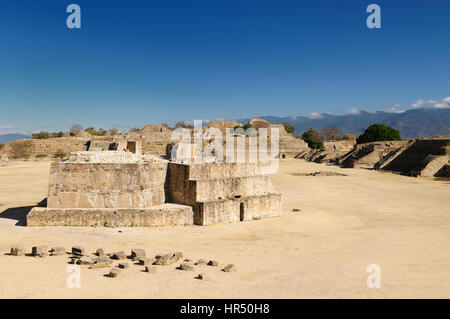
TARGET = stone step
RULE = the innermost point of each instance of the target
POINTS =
(161, 215)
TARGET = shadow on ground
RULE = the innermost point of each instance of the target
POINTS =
(20, 213)
(17, 213)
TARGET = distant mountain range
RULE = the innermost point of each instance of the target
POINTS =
(423, 122)
(6, 138)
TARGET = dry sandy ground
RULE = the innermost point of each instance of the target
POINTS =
(400, 223)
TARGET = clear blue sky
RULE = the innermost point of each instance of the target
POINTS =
(139, 62)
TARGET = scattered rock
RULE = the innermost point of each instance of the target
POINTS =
(100, 252)
(229, 268)
(201, 276)
(201, 262)
(85, 261)
(57, 251)
(39, 251)
(296, 210)
(137, 254)
(119, 255)
(167, 259)
(124, 265)
(146, 261)
(213, 263)
(187, 266)
(103, 259)
(150, 269)
(77, 250)
(100, 265)
(114, 272)
(17, 251)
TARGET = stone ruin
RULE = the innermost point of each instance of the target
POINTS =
(118, 188)
(424, 157)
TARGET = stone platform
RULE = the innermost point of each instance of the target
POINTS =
(160, 215)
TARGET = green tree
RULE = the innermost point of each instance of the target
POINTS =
(379, 132)
(313, 139)
(288, 127)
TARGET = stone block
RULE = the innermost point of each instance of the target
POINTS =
(229, 268)
(187, 266)
(17, 251)
(39, 251)
(213, 263)
(77, 250)
(119, 255)
(201, 262)
(150, 269)
(137, 254)
(57, 251)
(114, 272)
(124, 265)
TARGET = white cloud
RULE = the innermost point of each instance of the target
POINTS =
(442, 104)
(315, 115)
(353, 111)
(423, 103)
(6, 127)
(396, 108)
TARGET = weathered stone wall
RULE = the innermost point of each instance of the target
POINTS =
(223, 193)
(236, 210)
(52, 146)
(106, 185)
(162, 215)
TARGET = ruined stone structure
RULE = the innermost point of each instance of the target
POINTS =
(109, 189)
(368, 154)
(151, 140)
(223, 193)
(332, 153)
(116, 188)
(421, 157)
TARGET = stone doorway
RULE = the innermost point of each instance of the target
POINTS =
(241, 212)
(131, 147)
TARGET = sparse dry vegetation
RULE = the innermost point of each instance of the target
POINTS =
(21, 149)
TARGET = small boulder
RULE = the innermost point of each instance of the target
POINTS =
(213, 263)
(187, 266)
(17, 251)
(119, 255)
(85, 261)
(78, 250)
(39, 251)
(229, 268)
(114, 272)
(100, 252)
(124, 265)
(201, 276)
(99, 265)
(137, 254)
(146, 261)
(167, 259)
(150, 269)
(103, 259)
(201, 262)
(57, 251)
